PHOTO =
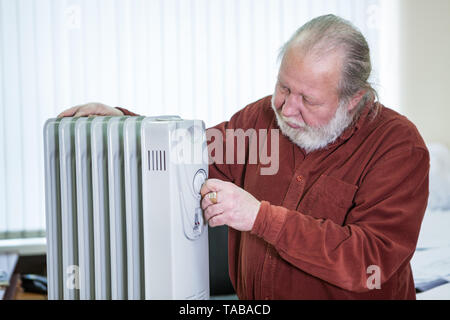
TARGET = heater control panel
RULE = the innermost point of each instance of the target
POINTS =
(197, 221)
(189, 144)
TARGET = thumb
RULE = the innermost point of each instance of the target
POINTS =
(69, 112)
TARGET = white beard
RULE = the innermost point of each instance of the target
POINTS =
(315, 138)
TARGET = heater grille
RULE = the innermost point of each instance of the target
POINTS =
(157, 160)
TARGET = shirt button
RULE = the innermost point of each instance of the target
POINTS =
(299, 178)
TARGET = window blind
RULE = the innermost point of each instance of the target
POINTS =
(202, 59)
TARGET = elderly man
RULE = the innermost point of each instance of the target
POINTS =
(341, 217)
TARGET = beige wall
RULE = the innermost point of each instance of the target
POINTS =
(424, 61)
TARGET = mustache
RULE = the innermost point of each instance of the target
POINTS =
(293, 121)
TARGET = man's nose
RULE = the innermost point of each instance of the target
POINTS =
(291, 106)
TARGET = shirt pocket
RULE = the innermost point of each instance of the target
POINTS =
(328, 198)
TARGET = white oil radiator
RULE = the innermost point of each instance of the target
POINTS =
(123, 208)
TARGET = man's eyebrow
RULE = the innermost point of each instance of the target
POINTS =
(312, 100)
(307, 97)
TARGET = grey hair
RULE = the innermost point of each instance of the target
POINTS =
(328, 33)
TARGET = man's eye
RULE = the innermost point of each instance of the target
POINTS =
(314, 104)
(309, 102)
(285, 89)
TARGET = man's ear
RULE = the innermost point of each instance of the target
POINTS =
(356, 99)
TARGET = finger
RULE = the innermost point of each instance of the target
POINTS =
(69, 112)
(211, 185)
(213, 211)
(87, 110)
(207, 201)
(217, 221)
(83, 113)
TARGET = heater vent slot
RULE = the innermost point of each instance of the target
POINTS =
(157, 160)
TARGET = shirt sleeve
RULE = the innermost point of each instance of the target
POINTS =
(381, 230)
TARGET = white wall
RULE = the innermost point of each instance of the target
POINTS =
(424, 59)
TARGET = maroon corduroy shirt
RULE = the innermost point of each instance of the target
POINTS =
(335, 221)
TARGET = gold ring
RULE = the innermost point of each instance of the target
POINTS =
(213, 197)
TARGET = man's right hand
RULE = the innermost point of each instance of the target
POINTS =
(90, 109)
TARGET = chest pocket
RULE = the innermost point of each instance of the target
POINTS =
(328, 198)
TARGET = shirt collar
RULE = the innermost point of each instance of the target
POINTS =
(356, 125)
(353, 128)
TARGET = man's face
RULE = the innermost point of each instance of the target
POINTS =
(306, 99)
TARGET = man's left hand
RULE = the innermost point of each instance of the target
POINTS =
(235, 207)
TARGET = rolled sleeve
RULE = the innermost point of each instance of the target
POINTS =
(269, 222)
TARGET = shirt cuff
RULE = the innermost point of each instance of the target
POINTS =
(269, 222)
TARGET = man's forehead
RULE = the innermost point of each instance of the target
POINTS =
(321, 60)
(311, 70)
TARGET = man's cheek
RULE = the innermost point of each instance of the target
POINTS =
(278, 101)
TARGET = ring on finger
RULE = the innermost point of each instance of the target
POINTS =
(212, 196)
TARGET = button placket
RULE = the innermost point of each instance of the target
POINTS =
(267, 276)
(273, 266)
(294, 192)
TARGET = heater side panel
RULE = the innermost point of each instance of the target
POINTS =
(189, 229)
(157, 202)
(175, 235)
